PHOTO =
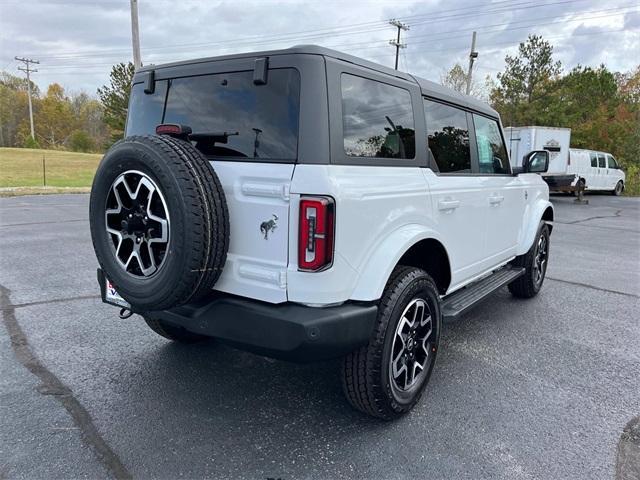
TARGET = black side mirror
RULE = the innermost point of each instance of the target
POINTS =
(536, 161)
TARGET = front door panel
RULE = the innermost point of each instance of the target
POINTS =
(505, 200)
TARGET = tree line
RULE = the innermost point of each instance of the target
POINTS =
(601, 107)
(80, 122)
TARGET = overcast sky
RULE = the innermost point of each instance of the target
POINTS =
(77, 41)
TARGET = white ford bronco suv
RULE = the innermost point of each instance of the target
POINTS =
(305, 204)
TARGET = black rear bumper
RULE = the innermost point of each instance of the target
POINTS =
(287, 331)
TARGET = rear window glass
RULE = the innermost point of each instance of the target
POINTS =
(259, 122)
(377, 119)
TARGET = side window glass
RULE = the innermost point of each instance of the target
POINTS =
(601, 161)
(377, 119)
(492, 153)
(594, 159)
(612, 162)
(448, 137)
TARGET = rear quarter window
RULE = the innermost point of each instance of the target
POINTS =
(377, 119)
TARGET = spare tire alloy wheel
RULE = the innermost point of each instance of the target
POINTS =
(137, 221)
(159, 222)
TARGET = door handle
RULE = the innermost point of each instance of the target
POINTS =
(448, 204)
(496, 199)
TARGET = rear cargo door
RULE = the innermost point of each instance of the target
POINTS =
(245, 121)
(258, 200)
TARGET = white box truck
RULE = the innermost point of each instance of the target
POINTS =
(556, 141)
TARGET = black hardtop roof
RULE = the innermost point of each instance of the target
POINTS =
(430, 89)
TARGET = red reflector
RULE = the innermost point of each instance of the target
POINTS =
(316, 233)
(172, 129)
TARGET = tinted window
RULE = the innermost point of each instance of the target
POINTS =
(377, 119)
(260, 121)
(265, 117)
(594, 159)
(145, 111)
(612, 162)
(601, 161)
(492, 153)
(448, 137)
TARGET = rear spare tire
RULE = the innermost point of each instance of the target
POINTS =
(159, 221)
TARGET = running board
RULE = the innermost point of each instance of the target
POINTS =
(459, 302)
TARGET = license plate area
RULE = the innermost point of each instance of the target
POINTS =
(110, 294)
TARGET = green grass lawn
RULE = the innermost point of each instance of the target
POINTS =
(22, 167)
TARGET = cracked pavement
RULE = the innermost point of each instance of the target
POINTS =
(523, 389)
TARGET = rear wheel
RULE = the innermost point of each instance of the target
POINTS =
(619, 189)
(580, 185)
(535, 263)
(171, 332)
(386, 378)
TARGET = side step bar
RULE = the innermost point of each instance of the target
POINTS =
(459, 302)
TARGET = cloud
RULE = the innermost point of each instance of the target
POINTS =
(77, 41)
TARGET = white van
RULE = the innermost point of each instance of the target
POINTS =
(596, 170)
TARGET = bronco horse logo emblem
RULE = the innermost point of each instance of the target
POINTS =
(269, 226)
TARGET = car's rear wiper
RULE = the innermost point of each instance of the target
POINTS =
(184, 132)
(217, 137)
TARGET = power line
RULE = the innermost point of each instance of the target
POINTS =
(432, 36)
(28, 70)
(382, 56)
(437, 36)
(331, 31)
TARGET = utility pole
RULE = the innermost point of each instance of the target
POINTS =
(135, 35)
(28, 70)
(400, 26)
(472, 56)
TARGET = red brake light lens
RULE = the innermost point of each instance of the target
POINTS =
(172, 129)
(316, 233)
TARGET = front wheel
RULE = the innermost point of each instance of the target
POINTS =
(386, 377)
(535, 263)
(619, 189)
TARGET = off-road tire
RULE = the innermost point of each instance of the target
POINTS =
(174, 333)
(365, 379)
(199, 221)
(525, 286)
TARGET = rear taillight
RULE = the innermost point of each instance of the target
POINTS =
(315, 233)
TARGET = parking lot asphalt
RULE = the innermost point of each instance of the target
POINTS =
(538, 388)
